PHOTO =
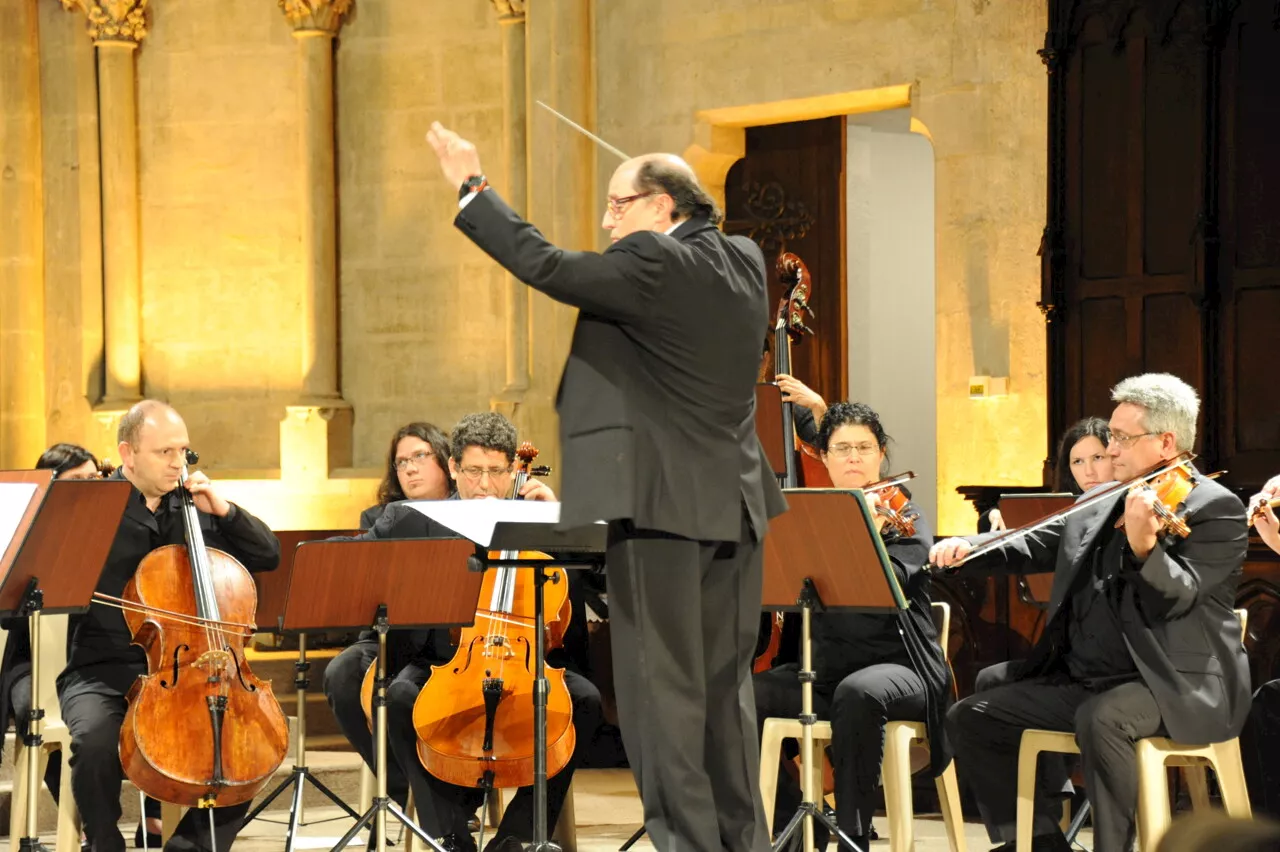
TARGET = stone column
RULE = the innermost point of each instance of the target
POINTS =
(315, 24)
(117, 28)
(515, 148)
(22, 366)
(315, 436)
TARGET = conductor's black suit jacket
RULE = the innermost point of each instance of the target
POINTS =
(657, 399)
(1177, 611)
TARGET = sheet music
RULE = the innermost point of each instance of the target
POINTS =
(475, 519)
(15, 497)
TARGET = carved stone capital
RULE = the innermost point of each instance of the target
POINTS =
(510, 11)
(113, 20)
(315, 15)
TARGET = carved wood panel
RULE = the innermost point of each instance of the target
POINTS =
(787, 194)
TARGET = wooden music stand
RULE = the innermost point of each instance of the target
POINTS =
(1020, 510)
(340, 585)
(62, 535)
(769, 426)
(824, 553)
(273, 592)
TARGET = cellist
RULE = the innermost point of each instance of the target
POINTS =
(481, 459)
(102, 664)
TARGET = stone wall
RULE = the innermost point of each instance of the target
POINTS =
(976, 86)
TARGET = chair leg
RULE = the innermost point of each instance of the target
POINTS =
(493, 807)
(170, 816)
(1197, 786)
(18, 799)
(1229, 768)
(367, 782)
(895, 768)
(1153, 797)
(565, 831)
(1026, 813)
(68, 815)
(952, 816)
(770, 757)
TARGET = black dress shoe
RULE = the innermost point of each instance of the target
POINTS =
(1054, 842)
(153, 839)
(458, 843)
(506, 843)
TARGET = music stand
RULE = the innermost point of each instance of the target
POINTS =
(1020, 510)
(509, 527)
(823, 553)
(338, 585)
(273, 592)
(41, 514)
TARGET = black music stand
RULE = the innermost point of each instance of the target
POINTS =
(823, 553)
(62, 536)
(338, 585)
(508, 527)
(273, 591)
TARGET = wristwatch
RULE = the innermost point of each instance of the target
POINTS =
(475, 183)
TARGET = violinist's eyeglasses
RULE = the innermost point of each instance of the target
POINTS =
(617, 206)
(1126, 441)
(843, 451)
(418, 459)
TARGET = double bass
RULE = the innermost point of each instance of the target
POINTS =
(474, 716)
(804, 469)
(201, 730)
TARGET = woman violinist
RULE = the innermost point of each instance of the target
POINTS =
(870, 668)
(480, 462)
(102, 663)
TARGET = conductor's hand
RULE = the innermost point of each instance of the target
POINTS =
(205, 497)
(458, 157)
(949, 551)
(537, 490)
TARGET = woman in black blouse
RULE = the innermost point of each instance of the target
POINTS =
(870, 669)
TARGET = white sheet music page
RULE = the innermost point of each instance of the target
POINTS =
(15, 497)
(475, 519)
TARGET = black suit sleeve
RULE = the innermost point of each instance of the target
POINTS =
(617, 285)
(806, 425)
(1030, 553)
(1180, 573)
(247, 539)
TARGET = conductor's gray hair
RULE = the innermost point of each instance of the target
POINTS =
(1169, 405)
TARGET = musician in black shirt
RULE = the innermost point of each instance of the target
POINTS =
(102, 663)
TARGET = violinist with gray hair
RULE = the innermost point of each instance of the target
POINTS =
(1141, 640)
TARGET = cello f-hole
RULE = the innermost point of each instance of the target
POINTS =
(240, 675)
(174, 681)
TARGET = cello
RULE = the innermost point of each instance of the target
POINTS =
(201, 730)
(474, 716)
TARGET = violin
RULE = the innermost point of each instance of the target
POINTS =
(893, 503)
(1172, 481)
(1258, 504)
(201, 730)
(474, 717)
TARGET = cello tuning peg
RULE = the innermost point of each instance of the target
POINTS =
(192, 457)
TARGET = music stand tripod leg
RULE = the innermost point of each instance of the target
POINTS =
(809, 810)
(382, 804)
(541, 843)
(32, 603)
(633, 839)
(300, 773)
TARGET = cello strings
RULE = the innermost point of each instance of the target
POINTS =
(230, 628)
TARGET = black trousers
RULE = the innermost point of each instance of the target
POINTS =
(94, 714)
(20, 701)
(858, 708)
(1259, 748)
(986, 730)
(684, 616)
(444, 808)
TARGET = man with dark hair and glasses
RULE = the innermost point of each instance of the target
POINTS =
(657, 430)
(481, 458)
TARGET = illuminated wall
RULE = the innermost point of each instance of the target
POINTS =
(978, 86)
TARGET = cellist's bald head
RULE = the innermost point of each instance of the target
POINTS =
(152, 446)
(655, 192)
